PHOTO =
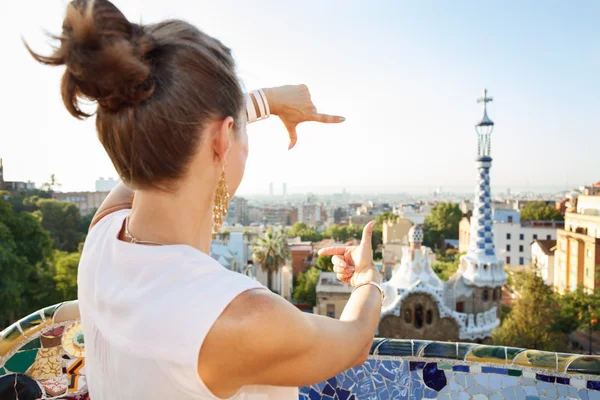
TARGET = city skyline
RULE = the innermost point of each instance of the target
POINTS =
(407, 84)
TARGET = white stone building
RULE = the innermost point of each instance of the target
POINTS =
(542, 258)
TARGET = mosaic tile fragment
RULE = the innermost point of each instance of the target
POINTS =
(537, 359)
(68, 311)
(9, 338)
(31, 345)
(400, 348)
(461, 368)
(21, 361)
(19, 386)
(594, 385)
(72, 340)
(440, 350)
(418, 346)
(52, 337)
(47, 365)
(33, 323)
(487, 354)
(585, 365)
(55, 386)
(433, 377)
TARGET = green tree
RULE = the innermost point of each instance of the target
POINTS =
(445, 269)
(441, 223)
(271, 252)
(65, 274)
(25, 255)
(527, 325)
(306, 234)
(305, 291)
(86, 221)
(386, 216)
(324, 263)
(63, 221)
(540, 211)
(577, 310)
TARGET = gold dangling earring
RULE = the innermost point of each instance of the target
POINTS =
(221, 206)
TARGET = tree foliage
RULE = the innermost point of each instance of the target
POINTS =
(306, 234)
(324, 264)
(529, 323)
(63, 221)
(305, 291)
(441, 223)
(540, 211)
(271, 252)
(33, 274)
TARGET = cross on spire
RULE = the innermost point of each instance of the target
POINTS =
(485, 99)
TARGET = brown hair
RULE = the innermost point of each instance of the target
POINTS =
(155, 85)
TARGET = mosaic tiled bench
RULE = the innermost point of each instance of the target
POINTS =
(42, 357)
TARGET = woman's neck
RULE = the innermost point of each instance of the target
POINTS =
(184, 217)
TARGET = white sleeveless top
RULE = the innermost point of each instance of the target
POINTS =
(145, 312)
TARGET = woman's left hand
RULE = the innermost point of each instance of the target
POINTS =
(293, 105)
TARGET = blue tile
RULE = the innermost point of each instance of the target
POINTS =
(388, 369)
(351, 374)
(365, 386)
(545, 378)
(433, 377)
(378, 380)
(430, 394)
(594, 385)
(532, 398)
(494, 370)
(314, 395)
(328, 390)
(382, 393)
(563, 381)
(343, 394)
(563, 391)
(583, 394)
(416, 365)
(332, 381)
(416, 389)
(403, 376)
(461, 368)
(359, 373)
(369, 366)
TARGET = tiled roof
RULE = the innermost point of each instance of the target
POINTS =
(547, 246)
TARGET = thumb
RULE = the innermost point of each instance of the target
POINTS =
(367, 236)
(291, 128)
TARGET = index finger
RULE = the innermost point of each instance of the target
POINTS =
(332, 251)
(326, 118)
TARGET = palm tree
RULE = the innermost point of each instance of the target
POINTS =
(270, 252)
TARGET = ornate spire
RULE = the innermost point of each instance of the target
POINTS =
(481, 266)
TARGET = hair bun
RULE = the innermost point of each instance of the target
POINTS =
(106, 57)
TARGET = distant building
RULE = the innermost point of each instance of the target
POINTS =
(542, 258)
(302, 256)
(466, 307)
(512, 237)
(332, 295)
(312, 214)
(577, 255)
(87, 202)
(277, 215)
(396, 231)
(360, 220)
(106, 185)
(13, 186)
(238, 211)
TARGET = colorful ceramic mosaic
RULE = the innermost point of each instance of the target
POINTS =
(42, 356)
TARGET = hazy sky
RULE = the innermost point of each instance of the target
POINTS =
(406, 74)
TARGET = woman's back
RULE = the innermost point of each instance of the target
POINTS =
(146, 311)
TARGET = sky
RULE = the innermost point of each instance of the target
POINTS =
(405, 74)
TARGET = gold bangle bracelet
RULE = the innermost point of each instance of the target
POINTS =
(373, 284)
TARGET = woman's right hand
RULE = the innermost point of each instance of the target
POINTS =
(354, 264)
